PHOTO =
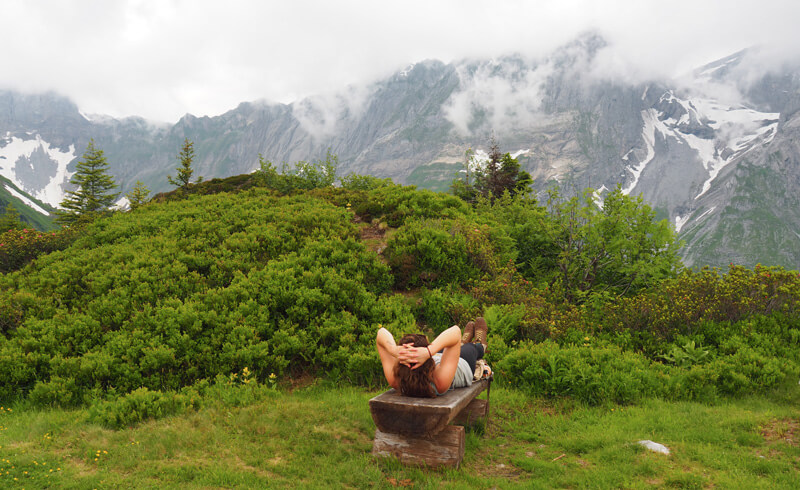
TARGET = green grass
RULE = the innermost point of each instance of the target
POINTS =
(321, 436)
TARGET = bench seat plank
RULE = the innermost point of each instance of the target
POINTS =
(397, 414)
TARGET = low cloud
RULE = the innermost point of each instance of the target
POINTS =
(163, 58)
(497, 96)
(320, 115)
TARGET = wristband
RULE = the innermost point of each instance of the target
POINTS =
(429, 352)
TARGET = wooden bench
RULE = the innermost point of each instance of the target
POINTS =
(418, 430)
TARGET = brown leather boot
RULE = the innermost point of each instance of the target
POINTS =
(469, 331)
(481, 331)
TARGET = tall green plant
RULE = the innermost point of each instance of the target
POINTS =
(94, 188)
(300, 176)
(613, 248)
(185, 170)
(10, 220)
(138, 195)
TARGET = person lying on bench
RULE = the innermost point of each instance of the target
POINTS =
(418, 368)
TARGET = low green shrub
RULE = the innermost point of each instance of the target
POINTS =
(438, 252)
(19, 247)
(139, 405)
(506, 321)
(299, 176)
(596, 371)
(355, 182)
(434, 309)
(591, 374)
(680, 306)
(57, 392)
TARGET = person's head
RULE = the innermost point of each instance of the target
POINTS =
(416, 382)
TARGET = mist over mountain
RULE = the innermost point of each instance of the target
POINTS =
(715, 152)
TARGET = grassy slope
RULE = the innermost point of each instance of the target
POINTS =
(27, 214)
(321, 437)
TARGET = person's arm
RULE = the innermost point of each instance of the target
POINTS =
(389, 351)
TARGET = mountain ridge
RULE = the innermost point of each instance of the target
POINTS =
(695, 148)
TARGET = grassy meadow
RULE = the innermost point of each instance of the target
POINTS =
(320, 436)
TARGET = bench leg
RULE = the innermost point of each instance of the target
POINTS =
(444, 449)
(476, 410)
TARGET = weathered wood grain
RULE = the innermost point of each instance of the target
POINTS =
(444, 449)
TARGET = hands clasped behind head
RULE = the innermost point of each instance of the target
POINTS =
(411, 356)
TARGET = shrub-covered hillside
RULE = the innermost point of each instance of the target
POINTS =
(149, 308)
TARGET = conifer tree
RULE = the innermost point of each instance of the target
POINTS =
(501, 173)
(185, 170)
(10, 220)
(138, 195)
(94, 188)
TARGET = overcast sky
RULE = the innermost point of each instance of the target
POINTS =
(163, 58)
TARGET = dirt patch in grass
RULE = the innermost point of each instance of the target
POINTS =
(501, 470)
(300, 381)
(372, 231)
(373, 236)
(82, 469)
(238, 463)
(20, 445)
(786, 430)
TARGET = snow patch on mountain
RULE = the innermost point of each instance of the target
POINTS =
(717, 132)
(598, 195)
(24, 198)
(680, 221)
(15, 149)
(404, 73)
(737, 129)
(651, 125)
(707, 73)
(98, 118)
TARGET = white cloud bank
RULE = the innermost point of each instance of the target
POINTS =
(163, 58)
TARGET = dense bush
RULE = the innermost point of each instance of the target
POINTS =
(596, 371)
(585, 249)
(300, 176)
(435, 252)
(19, 246)
(189, 290)
(680, 306)
(396, 204)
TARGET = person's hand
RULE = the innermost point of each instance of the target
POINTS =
(413, 357)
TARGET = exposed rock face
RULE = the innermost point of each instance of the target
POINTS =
(716, 154)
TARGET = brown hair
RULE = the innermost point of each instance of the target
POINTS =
(416, 382)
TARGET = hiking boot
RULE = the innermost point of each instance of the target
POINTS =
(469, 331)
(481, 331)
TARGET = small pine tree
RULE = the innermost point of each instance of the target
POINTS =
(10, 220)
(500, 174)
(185, 170)
(93, 194)
(138, 195)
